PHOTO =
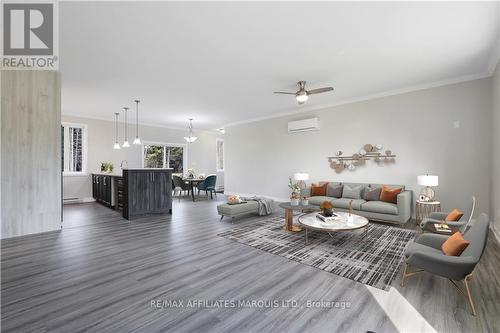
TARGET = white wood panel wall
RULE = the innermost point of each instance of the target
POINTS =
(30, 152)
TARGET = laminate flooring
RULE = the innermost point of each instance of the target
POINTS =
(102, 273)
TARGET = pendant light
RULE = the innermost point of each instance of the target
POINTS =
(190, 138)
(137, 140)
(125, 142)
(117, 145)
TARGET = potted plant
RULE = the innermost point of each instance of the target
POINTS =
(327, 208)
(295, 197)
(304, 201)
(106, 167)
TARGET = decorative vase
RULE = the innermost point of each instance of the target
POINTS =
(304, 202)
(294, 202)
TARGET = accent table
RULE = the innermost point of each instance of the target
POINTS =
(344, 223)
(289, 208)
(424, 208)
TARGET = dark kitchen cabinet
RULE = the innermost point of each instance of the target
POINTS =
(101, 189)
(146, 192)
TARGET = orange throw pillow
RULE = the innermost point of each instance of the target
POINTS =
(455, 245)
(454, 215)
(389, 194)
(318, 190)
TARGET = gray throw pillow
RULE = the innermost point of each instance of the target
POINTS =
(352, 192)
(334, 190)
(372, 194)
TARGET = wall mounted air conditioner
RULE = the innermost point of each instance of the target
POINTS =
(305, 125)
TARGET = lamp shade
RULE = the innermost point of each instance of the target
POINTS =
(427, 180)
(301, 176)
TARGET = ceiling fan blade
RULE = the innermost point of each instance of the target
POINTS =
(319, 90)
(284, 92)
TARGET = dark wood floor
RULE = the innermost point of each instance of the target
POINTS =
(101, 272)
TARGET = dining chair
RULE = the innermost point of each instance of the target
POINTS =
(208, 185)
(179, 186)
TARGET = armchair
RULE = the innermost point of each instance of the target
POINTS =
(426, 255)
(208, 185)
(463, 223)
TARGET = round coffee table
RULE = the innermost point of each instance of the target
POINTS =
(345, 222)
(289, 208)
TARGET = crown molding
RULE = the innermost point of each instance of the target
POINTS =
(184, 129)
(366, 98)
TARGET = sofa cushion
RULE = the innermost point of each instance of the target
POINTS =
(455, 245)
(344, 203)
(390, 185)
(389, 194)
(380, 207)
(318, 200)
(334, 190)
(454, 215)
(318, 190)
(372, 194)
(352, 192)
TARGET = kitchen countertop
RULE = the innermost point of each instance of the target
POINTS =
(107, 174)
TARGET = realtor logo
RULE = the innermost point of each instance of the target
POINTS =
(28, 29)
(30, 34)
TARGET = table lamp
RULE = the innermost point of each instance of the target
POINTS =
(301, 177)
(428, 181)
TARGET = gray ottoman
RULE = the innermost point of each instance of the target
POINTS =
(239, 209)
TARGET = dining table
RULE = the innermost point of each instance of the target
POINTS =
(192, 183)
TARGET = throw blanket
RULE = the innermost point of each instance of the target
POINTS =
(265, 205)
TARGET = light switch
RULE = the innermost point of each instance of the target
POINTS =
(456, 124)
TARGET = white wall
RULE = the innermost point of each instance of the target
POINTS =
(495, 187)
(101, 137)
(417, 127)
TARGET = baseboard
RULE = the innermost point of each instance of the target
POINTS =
(257, 195)
(77, 200)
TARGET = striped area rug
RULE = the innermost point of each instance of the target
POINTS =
(372, 259)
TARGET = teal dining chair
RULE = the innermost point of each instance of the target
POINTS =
(208, 185)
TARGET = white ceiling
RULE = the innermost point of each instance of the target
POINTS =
(220, 62)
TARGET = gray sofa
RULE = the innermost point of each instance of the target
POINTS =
(373, 210)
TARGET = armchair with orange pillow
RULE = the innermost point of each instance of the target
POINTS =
(456, 218)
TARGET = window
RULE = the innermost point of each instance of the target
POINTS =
(74, 148)
(220, 154)
(165, 155)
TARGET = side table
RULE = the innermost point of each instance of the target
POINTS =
(424, 208)
(289, 226)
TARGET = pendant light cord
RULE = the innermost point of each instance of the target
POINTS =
(136, 118)
(116, 127)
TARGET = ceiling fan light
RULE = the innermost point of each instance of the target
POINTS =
(302, 97)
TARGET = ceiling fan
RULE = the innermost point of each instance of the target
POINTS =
(302, 95)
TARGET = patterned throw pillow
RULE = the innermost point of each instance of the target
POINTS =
(372, 194)
(352, 192)
(334, 190)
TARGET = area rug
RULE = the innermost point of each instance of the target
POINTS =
(373, 258)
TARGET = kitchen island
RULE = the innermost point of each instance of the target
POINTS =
(137, 192)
